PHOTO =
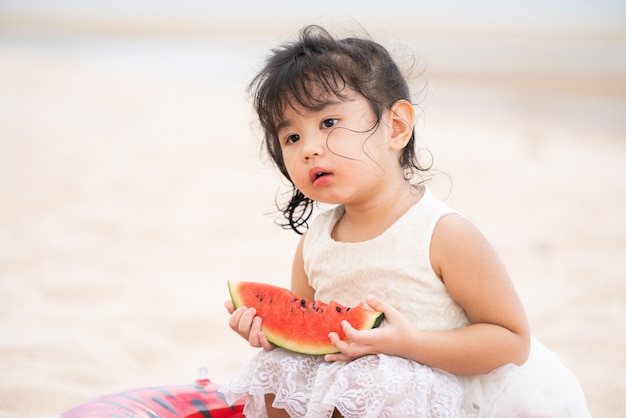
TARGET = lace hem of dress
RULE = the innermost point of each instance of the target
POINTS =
(387, 386)
(368, 387)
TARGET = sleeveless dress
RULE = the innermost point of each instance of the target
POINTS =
(396, 267)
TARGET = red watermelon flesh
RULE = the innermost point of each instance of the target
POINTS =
(297, 324)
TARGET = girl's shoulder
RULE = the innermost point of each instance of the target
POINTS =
(435, 205)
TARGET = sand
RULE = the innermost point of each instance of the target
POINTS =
(130, 194)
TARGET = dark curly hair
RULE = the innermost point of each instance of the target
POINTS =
(306, 73)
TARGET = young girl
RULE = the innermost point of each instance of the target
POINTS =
(338, 123)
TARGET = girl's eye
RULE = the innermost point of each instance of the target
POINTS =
(329, 123)
(292, 138)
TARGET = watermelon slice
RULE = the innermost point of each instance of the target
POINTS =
(298, 324)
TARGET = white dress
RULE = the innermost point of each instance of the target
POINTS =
(396, 267)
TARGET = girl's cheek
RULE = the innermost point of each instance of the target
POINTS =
(288, 160)
(292, 168)
(298, 177)
(351, 144)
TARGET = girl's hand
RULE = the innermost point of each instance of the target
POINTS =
(388, 338)
(245, 323)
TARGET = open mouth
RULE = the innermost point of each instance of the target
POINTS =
(317, 173)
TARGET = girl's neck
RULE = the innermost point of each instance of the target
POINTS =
(368, 220)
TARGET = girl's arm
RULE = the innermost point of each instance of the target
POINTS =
(476, 279)
(299, 280)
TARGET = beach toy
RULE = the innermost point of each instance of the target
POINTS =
(197, 400)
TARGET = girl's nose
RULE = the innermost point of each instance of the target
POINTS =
(313, 146)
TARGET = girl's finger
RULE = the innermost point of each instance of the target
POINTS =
(235, 317)
(267, 346)
(352, 334)
(241, 320)
(381, 306)
(355, 336)
(346, 349)
(334, 339)
(229, 306)
(245, 322)
(336, 357)
(375, 303)
(253, 332)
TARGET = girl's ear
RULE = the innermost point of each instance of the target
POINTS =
(401, 124)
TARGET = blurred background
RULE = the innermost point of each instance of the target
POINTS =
(132, 185)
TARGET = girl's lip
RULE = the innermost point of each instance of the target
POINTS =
(317, 172)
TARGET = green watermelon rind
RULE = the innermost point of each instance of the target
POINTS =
(373, 320)
(234, 296)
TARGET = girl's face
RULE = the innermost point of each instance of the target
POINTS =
(338, 154)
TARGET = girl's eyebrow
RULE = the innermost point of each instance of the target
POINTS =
(282, 124)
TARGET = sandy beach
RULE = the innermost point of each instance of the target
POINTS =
(132, 189)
